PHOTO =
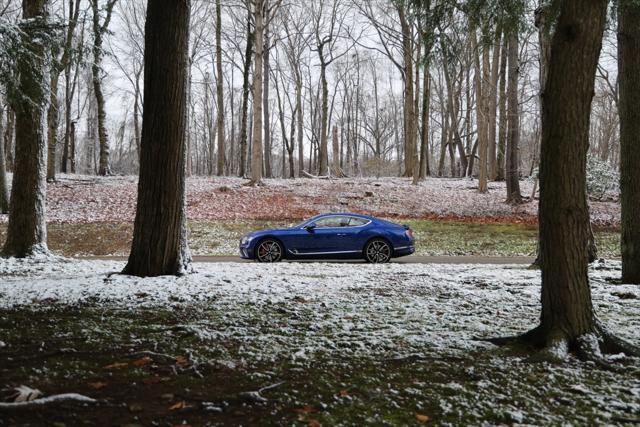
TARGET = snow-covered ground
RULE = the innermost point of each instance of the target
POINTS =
(358, 308)
(82, 199)
(302, 314)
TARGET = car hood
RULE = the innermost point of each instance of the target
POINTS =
(260, 233)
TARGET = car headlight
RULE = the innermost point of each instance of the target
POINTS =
(245, 240)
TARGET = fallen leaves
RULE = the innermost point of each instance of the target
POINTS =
(179, 405)
(117, 365)
(152, 380)
(142, 362)
(97, 385)
(421, 418)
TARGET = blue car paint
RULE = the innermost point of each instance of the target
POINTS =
(331, 242)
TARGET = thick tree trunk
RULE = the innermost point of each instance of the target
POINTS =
(219, 90)
(8, 138)
(256, 141)
(53, 118)
(4, 187)
(160, 237)
(27, 228)
(628, 71)
(567, 310)
(513, 128)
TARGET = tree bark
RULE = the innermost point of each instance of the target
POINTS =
(628, 71)
(409, 115)
(219, 90)
(493, 105)
(513, 127)
(502, 107)
(27, 228)
(480, 111)
(425, 169)
(99, 29)
(160, 237)
(567, 310)
(4, 187)
(265, 96)
(256, 141)
(248, 53)
(8, 138)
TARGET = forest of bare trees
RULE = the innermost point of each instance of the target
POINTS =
(339, 87)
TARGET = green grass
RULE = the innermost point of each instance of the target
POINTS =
(221, 238)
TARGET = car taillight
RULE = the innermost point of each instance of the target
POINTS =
(409, 233)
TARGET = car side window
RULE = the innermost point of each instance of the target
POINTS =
(332, 222)
(356, 222)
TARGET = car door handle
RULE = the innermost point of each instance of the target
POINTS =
(342, 234)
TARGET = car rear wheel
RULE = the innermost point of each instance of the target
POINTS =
(377, 251)
(269, 250)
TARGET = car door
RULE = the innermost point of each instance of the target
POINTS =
(324, 238)
(351, 235)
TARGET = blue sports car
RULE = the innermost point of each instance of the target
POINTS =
(331, 236)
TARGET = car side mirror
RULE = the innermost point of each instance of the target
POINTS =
(310, 227)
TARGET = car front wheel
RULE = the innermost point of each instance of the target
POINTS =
(269, 250)
(377, 251)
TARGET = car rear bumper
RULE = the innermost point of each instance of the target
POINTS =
(403, 250)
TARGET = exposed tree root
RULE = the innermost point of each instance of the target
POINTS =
(555, 346)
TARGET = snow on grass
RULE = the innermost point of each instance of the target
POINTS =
(298, 310)
(81, 199)
(320, 318)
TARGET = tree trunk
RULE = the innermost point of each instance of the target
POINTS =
(99, 29)
(245, 98)
(628, 71)
(502, 107)
(337, 170)
(425, 169)
(300, 122)
(53, 117)
(8, 138)
(160, 236)
(409, 115)
(513, 127)
(479, 83)
(567, 310)
(219, 90)
(493, 105)
(4, 187)
(265, 97)
(323, 168)
(27, 228)
(256, 141)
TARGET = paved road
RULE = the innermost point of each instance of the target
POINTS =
(414, 259)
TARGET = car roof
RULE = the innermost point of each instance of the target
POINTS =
(370, 218)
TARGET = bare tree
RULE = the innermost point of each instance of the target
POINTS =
(99, 30)
(27, 228)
